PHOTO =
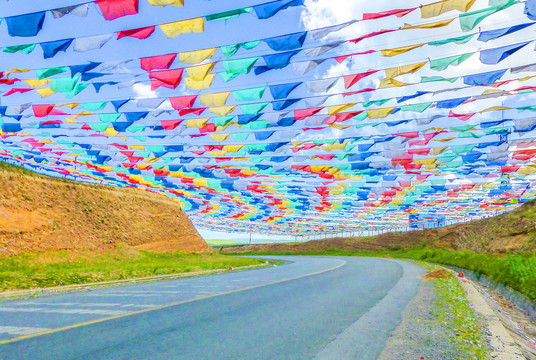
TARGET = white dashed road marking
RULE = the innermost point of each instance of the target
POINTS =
(14, 330)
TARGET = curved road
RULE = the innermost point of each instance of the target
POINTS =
(309, 308)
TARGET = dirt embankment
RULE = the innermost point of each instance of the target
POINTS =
(510, 232)
(39, 213)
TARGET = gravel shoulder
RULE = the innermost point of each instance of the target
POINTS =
(438, 324)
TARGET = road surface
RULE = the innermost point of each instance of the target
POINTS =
(309, 308)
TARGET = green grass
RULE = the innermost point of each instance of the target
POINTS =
(65, 268)
(222, 242)
(455, 312)
(517, 271)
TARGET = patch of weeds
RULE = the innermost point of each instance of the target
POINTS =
(459, 318)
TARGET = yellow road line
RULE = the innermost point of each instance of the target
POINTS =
(161, 307)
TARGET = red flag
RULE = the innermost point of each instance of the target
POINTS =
(397, 12)
(350, 80)
(168, 77)
(197, 111)
(462, 117)
(157, 62)
(140, 33)
(170, 124)
(181, 102)
(356, 40)
(16, 90)
(305, 113)
(113, 9)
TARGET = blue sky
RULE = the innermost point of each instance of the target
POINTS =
(315, 14)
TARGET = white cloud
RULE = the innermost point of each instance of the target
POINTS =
(322, 13)
(143, 91)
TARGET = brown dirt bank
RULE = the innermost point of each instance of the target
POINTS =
(39, 213)
(510, 232)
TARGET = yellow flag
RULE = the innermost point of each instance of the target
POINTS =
(166, 2)
(70, 105)
(200, 72)
(492, 91)
(219, 137)
(217, 99)
(191, 84)
(45, 92)
(200, 182)
(401, 70)
(83, 113)
(441, 7)
(494, 108)
(232, 148)
(177, 28)
(222, 110)
(379, 113)
(339, 126)
(527, 78)
(137, 147)
(35, 83)
(197, 56)
(425, 161)
(388, 83)
(338, 108)
(336, 146)
(319, 168)
(400, 50)
(106, 168)
(110, 131)
(527, 170)
(17, 71)
(197, 123)
(445, 139)
(69, 120)
(333, 171)
(433, 25)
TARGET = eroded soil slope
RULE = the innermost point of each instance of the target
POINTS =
(39, 213)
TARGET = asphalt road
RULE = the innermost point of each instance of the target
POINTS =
(309, 308)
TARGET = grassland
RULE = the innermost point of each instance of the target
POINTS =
(517, 271)
(222, 242)
(67, 267)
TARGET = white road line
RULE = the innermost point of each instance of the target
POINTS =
(124, 295)
(16, 330)
(64, 311)
(67, 304)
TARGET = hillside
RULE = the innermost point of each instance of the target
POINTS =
(510, 232)
(39, 213)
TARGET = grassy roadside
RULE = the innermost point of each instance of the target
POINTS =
(517, 271)
(459, 318)
(67, 268)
